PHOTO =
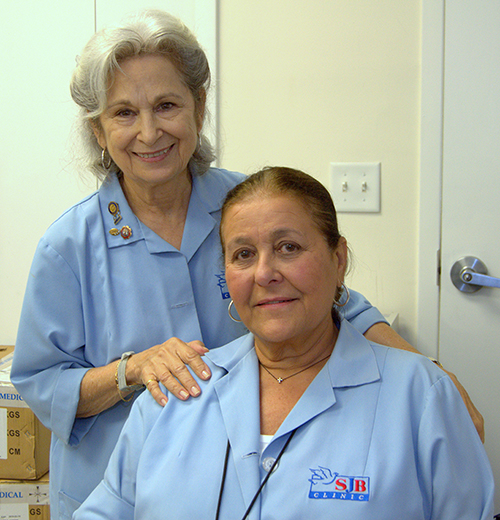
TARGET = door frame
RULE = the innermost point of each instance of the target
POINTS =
(430, 191)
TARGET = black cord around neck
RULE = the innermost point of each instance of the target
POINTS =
(275, 463)
(228, 448)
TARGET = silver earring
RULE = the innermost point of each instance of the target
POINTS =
(348, 295)
(106, 159)
(229, 311)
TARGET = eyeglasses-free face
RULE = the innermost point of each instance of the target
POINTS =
(280, 272)
(151, 123)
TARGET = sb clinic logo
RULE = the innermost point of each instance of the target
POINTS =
(221, 283)
(326, 484)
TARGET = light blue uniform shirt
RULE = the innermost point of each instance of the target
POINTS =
(92, 295)
(380, 434)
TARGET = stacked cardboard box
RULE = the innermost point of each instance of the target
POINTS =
(25, 499)
(24, 452)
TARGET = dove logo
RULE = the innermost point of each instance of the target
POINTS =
(326, 484)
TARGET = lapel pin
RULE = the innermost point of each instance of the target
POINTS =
(114, 209)
(126, 232)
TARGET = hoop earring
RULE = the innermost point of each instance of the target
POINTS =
(346, 291)
(106, 159)
(229, 311)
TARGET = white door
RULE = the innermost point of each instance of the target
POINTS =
(469, 324)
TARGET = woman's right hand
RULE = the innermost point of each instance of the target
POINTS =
(166, 363)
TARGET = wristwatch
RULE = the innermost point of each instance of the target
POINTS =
(122, 380)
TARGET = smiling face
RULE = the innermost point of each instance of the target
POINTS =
(280, 271)
(151, 123)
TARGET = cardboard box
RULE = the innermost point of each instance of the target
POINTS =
(25, 499)
(24, 441)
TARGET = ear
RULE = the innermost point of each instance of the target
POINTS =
(200, 109)
(99, 134)
(341, 254)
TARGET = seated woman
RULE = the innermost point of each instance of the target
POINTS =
(303, 417)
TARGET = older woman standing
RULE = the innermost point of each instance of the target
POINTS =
(303, 418)
(134, 264)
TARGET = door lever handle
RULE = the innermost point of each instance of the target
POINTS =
(469, 274)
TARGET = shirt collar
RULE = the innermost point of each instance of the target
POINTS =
(123, 227)
(353, 362)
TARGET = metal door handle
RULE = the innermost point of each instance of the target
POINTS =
(469, 274)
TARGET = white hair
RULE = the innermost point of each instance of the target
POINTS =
(148, 32)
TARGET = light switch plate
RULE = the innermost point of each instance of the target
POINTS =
(355, 187)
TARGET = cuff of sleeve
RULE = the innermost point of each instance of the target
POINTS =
(64, 405)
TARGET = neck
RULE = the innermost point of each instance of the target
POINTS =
(296, 367)
(297, 353)
(161, 207)
(158, 197)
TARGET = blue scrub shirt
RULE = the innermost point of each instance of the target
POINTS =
(102, 283)
(379, 434)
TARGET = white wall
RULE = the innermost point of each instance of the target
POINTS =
(39, 42)
(307, 83)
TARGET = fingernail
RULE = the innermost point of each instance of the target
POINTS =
(183, 394)
(163, 402)
(205, 374)
(195, 391)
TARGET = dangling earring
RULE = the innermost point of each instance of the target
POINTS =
(346, 291)
(229, 311)
(106, 159)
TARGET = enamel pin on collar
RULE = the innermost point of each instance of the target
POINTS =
(125, 231)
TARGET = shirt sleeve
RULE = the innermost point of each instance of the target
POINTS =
(115, 496)
(456, 476)
(49, 361)
(360, 312)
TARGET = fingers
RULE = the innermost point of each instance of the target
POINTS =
(198, 346)
(167, 364)
(173, 371)
(154, 388)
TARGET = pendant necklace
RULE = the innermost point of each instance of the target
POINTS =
(281, 379)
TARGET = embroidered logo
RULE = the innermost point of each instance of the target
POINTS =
(328, 485)
(221, 283)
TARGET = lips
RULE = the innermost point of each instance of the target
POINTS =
(276, 301)
(154, 155)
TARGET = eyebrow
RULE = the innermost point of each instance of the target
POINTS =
(275, 235)
(127, 102)
(278, 233)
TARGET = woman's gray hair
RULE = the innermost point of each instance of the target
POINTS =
(146, 33)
